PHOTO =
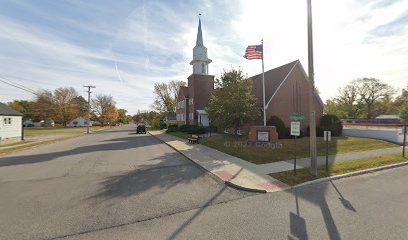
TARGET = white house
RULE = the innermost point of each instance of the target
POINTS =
(78, 122)
(10, 123)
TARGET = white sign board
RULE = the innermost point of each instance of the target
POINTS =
(295, 128)
(327, 136)
(262, 136)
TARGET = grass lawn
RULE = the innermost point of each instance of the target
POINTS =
(303, 175)
(58, 130)
(236, 146)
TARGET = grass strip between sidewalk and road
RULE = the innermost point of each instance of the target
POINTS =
(31, 132)
(303, 175)
(29, 144)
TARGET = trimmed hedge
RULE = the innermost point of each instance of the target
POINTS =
(280, 126)
(172, 128)
(191, 129)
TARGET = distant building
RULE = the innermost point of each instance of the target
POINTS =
(78, 122)
(10, 123)
(387, 119)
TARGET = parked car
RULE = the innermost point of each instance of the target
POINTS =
(141, 129)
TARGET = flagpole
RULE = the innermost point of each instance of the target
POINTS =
(263, 86)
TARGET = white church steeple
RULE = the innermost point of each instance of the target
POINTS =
(200, 59)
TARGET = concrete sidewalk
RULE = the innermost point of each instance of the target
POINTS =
(249, 176)
(283, 166)
(230, 169)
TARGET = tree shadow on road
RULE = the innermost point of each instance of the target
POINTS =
(105, 145)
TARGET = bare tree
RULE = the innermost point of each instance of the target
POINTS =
(166, 95)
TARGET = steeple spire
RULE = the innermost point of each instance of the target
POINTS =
(200, 59)
(199, 41)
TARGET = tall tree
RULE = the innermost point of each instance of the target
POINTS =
(370, 92)
(64, 100)
(81, 106)
(240, 108)
(23, 106)
(43, 106)
(104, 108)
(122, 118)
(166, 95)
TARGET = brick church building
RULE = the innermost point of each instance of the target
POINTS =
(193, 99)
(286, 91)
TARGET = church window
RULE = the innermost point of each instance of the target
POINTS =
(202, 67)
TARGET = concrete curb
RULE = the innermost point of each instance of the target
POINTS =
(351, 174)
(212, 175)
(244, 188)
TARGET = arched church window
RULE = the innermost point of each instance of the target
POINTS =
(202, 67)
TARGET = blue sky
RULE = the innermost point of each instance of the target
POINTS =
(124, 47)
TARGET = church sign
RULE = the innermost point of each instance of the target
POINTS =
(262, 136)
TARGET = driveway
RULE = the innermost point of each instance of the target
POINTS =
(99, 181)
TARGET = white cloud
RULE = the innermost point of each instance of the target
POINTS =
(151, 41)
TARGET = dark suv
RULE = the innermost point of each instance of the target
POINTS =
(141, 129)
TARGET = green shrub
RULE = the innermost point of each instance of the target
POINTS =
(330, 123)
(280, 126)
(172, 128)
(191, 129)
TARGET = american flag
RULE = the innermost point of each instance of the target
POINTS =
(254, 52)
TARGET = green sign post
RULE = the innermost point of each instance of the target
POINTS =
(297, 116)
(295, 129)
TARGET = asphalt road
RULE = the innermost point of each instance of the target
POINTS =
(117, 185)
(101, 181)
(371, 206)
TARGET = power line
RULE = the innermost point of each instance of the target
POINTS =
(7, 79)
(19, 87)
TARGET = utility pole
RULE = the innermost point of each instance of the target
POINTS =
(312, 113)
(89, 107)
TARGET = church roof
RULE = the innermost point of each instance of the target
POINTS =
(199, 41)
(274, 79)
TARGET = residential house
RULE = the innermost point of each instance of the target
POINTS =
(10, 124)
(79, 122)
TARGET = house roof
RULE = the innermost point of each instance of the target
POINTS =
(8, 111)
(387, 117)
